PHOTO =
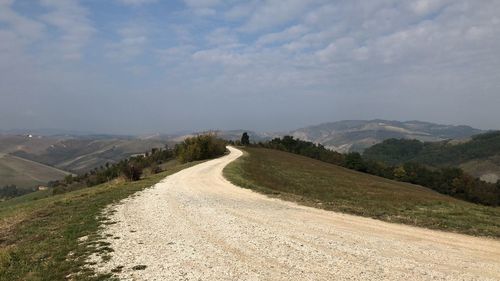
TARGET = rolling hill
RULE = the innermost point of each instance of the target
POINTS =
(82, 154)
(479, 156)
(357, 135)
(26, 174)
(31, 160)
(312, 182)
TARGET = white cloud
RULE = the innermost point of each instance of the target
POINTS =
(338, 50)
(175, 55)
(220, 56)
(222, 36)
(132, 43)
(24, 28)
(17, 34)
(202, 3)
(241, 10)
(424, 7)
(203, 7)
(269, 14)
(287, 34)
(136, 2)
(71, 19)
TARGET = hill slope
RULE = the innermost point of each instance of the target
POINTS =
(479, 156)
(82, 154)
(356, 135)
(26, 174)
(331, 187)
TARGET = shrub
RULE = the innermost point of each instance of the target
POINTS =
(155, 169)
(132, 171)
(199, 148)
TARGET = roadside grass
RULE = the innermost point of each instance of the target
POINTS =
(41, 235)
(318, 184)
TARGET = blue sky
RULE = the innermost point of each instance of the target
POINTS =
(142, 66)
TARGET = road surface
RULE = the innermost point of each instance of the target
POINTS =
(195, 225)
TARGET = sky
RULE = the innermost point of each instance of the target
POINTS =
(146, 66)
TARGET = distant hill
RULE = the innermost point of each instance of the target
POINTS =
(82, 154)
(357, 135)
(479, 156)
(236, 135)
(77, 153)
(26, 174)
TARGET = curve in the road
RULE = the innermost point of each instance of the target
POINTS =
(195, 225)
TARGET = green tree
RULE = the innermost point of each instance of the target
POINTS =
(245, 139)
(354, 161)
(400, 173)
(69, 179)
(132, 171)
(199, 148)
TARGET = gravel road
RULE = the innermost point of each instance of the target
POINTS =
(195, 225)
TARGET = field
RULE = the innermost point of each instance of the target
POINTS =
(323, 185)
(39, 233)
(25, 173)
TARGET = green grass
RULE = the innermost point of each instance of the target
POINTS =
(39, 232)
(314, 183)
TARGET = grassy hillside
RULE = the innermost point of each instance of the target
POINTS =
(478, 156)
(26, 174)
(331, 187)
(39, 232)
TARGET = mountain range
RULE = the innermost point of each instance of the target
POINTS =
(357, 135)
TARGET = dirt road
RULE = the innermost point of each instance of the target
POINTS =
(195, 225)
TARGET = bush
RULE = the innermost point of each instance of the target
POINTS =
(155, 169)
(132, 171)
(199, 148)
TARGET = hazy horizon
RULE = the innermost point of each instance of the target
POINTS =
(151, 66)
(57, 131)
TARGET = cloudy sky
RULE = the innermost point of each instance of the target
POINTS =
(141, 66)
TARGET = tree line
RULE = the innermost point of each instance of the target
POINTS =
(445, 153)
(11, 190)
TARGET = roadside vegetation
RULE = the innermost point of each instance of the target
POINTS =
(130, 169)
(200, 147)
(320, 184)
(47, 235)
